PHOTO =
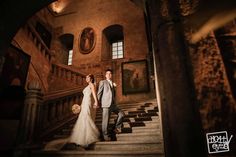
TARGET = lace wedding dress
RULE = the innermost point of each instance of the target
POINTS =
(85, 131)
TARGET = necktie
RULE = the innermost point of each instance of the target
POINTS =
(110, 83)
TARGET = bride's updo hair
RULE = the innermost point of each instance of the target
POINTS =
(91, 77)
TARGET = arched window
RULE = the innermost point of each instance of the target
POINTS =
(67, 42)
(113, 42)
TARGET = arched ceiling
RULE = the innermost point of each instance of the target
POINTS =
(14, 13)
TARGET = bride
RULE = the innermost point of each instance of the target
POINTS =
(85, 131)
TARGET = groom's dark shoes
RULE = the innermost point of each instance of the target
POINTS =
(117, 130)
(107, 138)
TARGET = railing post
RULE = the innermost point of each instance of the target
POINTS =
(30, 123)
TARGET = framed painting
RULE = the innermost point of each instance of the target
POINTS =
(15, 68)
(135, 77)
(87, 40)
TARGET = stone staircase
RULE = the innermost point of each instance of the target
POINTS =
(141, 135)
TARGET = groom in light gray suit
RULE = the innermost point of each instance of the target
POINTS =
(106, 96)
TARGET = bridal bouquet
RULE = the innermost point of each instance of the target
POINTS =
(75, 109)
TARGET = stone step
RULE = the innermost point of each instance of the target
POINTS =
(155, 123)
(131, 134)
(138, 109)
(92, 153)
(132, 110)
(144, 124)
(133, 114)
(99, 112)
(128, 145)
(142, 137)
(144, 129)
(148, 114)
(131, 119)
(148, 128)
(133, 106)
(151, 107)
(135, 124)
(68, 131)
(144, 119)
(122, 106)
(100, 116)
(141, 134)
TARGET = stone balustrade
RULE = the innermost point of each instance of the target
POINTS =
(42, 47)
(56, 108)
(44, 114)
(68, 73)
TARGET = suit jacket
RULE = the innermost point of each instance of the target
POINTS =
(106, 93)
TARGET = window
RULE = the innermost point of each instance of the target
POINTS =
(70, 57)
(112, 43)
(117, 50)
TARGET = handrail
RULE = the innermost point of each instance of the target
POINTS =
(39, 42)
(69, 68)
(56, 109)
(68, 74)
(61, 93)
(43, 115)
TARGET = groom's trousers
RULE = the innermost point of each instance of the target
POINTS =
(106, 116)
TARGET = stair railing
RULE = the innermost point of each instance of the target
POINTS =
(42, 47)
(44, 114)
(68, 73)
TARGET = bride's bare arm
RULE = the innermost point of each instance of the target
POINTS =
(93, 89)
(100, 90)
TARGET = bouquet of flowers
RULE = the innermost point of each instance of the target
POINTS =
(75, 109)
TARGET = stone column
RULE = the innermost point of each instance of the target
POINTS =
(181, 124)
(30, 123)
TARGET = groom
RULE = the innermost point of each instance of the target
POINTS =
(106, 96)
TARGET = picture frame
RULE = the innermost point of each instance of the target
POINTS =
(87, 40)
(15, 67)
(135, 77)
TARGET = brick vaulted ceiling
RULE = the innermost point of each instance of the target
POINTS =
(14, 13)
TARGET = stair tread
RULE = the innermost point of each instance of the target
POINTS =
(126, 142)
(157, 132)
(101, 152)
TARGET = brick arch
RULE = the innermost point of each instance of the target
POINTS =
(67, 40)
(110, 34)
(12, 21)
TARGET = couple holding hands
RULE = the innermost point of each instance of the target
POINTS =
(85, 132)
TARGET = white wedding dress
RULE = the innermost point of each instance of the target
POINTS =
(85, 131)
